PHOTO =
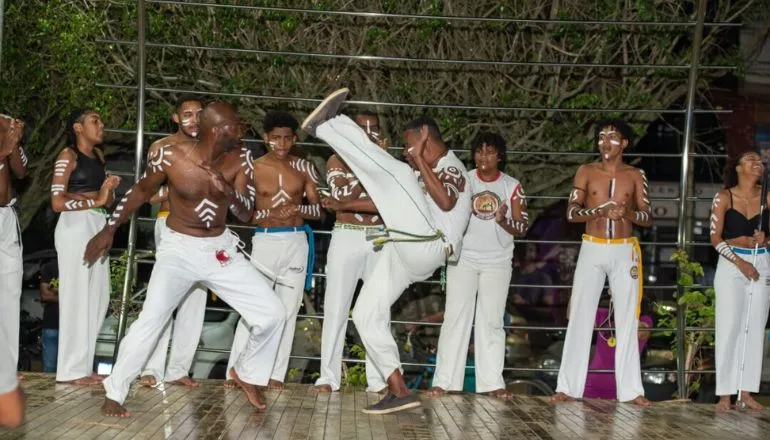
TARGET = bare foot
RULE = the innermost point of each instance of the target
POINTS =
(500, 394)
(561, 398)
(750, 402)
(641, 401)
(275, 385)
(112, 408)
(322, 388)
(436, 392)
(83, 381)
(148, 381)
(186, 381)
(253, 395)
(723, 404)
(20, 376)
(97, 377)
(230, 384)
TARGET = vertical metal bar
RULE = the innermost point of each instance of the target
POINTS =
(131, 247)
(2, 22)
(683, 231)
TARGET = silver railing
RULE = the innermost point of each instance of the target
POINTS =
(687, 155)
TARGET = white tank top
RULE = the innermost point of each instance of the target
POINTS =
(485, 241)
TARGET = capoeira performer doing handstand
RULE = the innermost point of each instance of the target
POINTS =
(283, 245)
(13, 161)
(610, 197)
(204, 179)
(741, 280)
(189, 317)
(424, 229)
(350, 257)
(499, 214)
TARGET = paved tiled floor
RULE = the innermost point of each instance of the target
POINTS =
(211, 412)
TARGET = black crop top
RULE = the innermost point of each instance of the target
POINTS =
(88, 174)
(737, 225)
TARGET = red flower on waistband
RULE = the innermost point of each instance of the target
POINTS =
(222, 256)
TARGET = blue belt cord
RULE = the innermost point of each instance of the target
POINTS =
(742, 251)
(310, 245)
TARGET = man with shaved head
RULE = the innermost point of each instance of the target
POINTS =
(205, 179)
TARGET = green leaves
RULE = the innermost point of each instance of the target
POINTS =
(698, 308)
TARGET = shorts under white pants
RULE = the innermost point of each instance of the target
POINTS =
(732, 290)
(84, 293)
(186, 326)
(597, 261)
(395, 191)
(482, 287)
(11, 272)
(180, 262)
(282, 255)
(351, 257)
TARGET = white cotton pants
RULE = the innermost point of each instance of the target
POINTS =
(483, 288)
(187, 327)
(84, 293)
(180, 262)
(732, 291)
(395, 191)
(11, 272)
(619, 260)
(350, 258)
(283, 257)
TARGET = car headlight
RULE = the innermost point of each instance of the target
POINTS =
(658, 378)
(654, 378)
(549, 363)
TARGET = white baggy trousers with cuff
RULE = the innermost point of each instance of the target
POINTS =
(11, 273)
(84, 293)
(482, 287)
(186, 327)
(395, 191)
(284, 255)
(597, 261)
(350, 258)
(732, 301)
(181, 262)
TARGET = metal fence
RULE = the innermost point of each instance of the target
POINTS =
(686, 156)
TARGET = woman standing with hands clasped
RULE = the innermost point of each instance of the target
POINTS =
(742, 278)
(81, 191)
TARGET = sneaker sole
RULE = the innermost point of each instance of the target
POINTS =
(322, 106)
(392, 410)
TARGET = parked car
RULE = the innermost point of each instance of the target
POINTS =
(213, 348)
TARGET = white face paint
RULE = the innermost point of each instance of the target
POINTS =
(606, 135)
(190, 124)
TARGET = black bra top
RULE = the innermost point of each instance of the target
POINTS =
(88, 174)
(737, 225)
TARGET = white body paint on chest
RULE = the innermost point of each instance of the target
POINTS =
(281, 197)
(205, 211)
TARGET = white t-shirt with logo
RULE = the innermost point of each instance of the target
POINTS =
(485, 241)
(451, 171)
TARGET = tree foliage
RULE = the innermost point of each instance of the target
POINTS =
(55, 54)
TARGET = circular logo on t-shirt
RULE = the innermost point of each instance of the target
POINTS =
(485, 205)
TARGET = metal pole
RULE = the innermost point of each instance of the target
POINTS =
(2, 22)
(683, 231)
(131, 247)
